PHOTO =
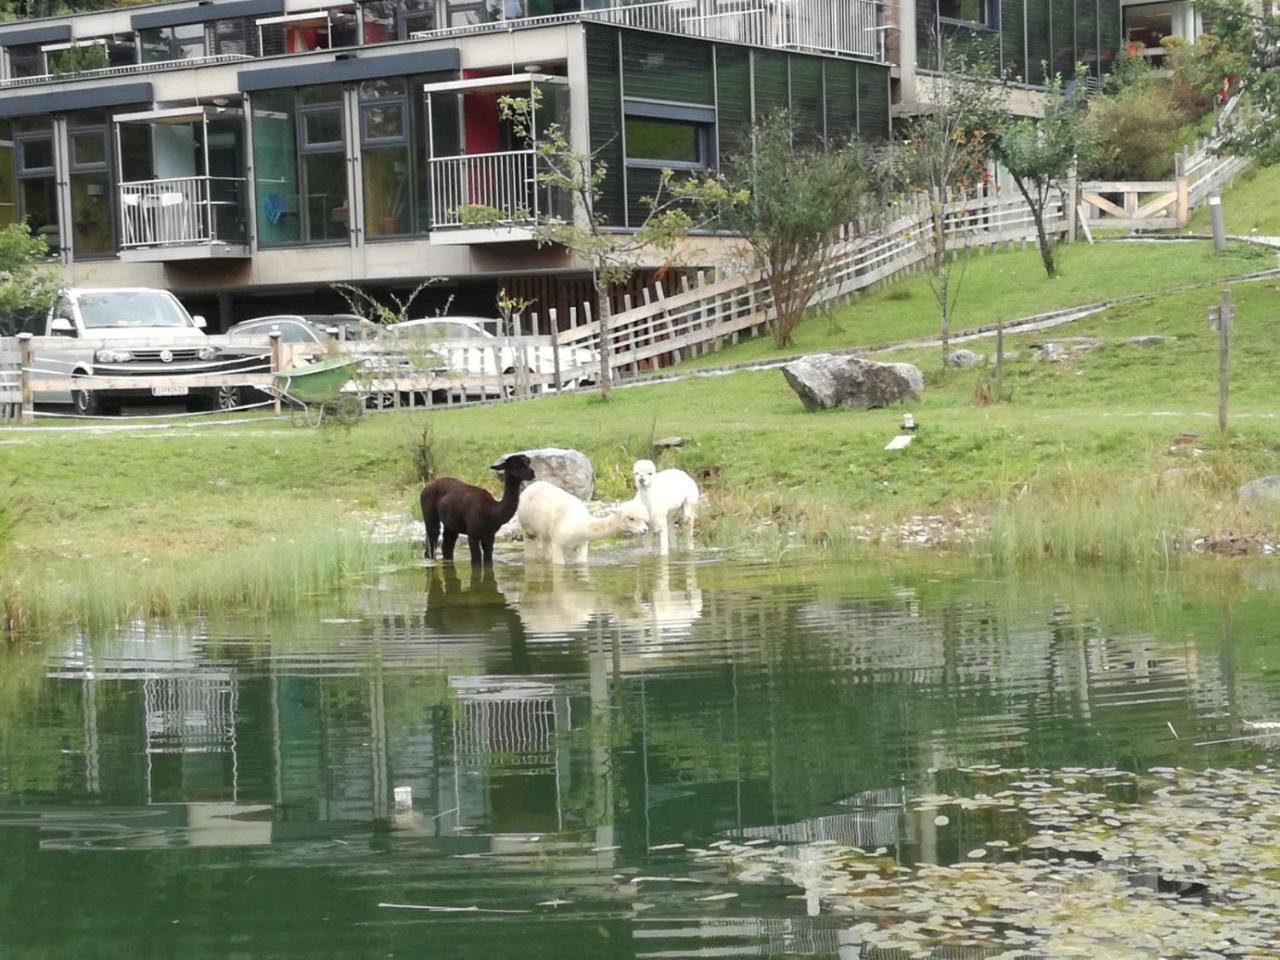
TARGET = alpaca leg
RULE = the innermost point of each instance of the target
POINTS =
(431, 520)
(447, 544)
(477, 550)
(555, 553)
(580, 553)
(664, 545)
(688, 512)
(486, 548)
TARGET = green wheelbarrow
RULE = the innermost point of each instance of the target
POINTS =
(314, 390)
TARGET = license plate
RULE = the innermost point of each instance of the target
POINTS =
(168, 391)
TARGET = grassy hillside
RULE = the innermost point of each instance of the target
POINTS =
(1250, 205)
(1005, 286)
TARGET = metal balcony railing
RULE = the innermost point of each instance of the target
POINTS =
(182, 211)
(846, 27)
(124, 70)
(501, 188)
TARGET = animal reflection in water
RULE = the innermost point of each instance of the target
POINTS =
(662, 603)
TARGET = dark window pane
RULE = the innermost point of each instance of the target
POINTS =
(385, 175)
(663, 140)
(974, 11)
(322, 127)
(37, 154)
(40, 207)
(88, 148)
(26, 62)
(93, 233)
(330, 93)
(324, 185)
(384, 121)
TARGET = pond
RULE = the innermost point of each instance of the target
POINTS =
(700, 757)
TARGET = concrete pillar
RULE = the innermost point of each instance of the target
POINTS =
(905, 12)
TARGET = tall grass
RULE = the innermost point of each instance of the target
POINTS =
(276, 576)
(1105, 518)
(10, 516)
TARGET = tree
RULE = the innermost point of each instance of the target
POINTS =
(786, 202)
(946, 150)
(579, 176)
(28, 280)
(1039, 154)
(1239, 52)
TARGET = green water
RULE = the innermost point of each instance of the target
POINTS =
(228, 788)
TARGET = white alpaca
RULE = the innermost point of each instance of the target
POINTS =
(557, 526)
(663, 494)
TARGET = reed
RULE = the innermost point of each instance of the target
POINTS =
(279, 575)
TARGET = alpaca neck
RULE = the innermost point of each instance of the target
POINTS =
(510, 498)
(601, 527)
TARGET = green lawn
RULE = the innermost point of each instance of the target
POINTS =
(1070, 466)
(1250, 205)
(1006, 286)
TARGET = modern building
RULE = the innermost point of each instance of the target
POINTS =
(247, 153)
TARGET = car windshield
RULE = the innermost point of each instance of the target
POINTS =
(131, 308)
(448, 330)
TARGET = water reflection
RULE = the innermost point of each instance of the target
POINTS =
(558, 734)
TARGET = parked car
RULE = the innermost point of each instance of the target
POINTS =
(177, 345)
(464, 348)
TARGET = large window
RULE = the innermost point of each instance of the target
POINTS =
(669, 143)
(37, 179)
(299, 148)
(385, 20)
(1145, 25)
(26, 61)
(967, 11)
(300, 32)
(8, 184)
(92, 221)
(385, 160)
(184, 42)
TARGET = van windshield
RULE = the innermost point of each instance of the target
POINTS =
(132, 308)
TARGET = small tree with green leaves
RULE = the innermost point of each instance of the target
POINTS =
(944, 155)
(1242, 44)
(1040, 154)
(787, 202)
(28, 281)
(675, 210)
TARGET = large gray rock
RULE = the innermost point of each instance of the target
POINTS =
(959, 359)
(568, 469)
(823, 381)
(1264, 489)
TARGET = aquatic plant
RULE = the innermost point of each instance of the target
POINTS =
(1176, 863)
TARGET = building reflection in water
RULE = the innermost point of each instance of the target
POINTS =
(598, 713)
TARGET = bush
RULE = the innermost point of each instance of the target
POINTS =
(1137, 134)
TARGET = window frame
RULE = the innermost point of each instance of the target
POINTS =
(987, 21)
(704, 134)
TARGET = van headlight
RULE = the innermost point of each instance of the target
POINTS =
(206, 353)
(113, 356)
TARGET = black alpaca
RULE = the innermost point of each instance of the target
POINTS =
(460, 508)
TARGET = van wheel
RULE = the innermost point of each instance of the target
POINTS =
(87, 403)
(227, 398)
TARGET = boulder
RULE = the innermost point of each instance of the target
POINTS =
(1055, 351)
(1148, 340)
(1262, 490)
(823, 381)
(959, 359)
(568, 469)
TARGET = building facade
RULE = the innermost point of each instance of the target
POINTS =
(247, 153)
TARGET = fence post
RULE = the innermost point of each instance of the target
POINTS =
(28, 413)
(275, 363)
(555, 349)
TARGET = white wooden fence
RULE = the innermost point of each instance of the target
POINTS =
(10, 380)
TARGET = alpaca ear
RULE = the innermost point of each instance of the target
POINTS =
(499, 465)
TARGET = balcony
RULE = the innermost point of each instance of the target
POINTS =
(183, 218)
(842, 27)
(123, 70)
(479, 195)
